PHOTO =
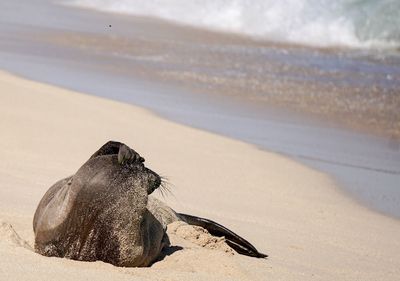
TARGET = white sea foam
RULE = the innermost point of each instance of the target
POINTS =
(353, 23)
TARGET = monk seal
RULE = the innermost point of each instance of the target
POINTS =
(104, 212)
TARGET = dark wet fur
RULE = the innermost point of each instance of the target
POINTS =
(105, 216)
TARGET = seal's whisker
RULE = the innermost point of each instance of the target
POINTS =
(164, 179)
(160, 190)
(164, 188)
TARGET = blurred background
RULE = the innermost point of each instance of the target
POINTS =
(317, 81)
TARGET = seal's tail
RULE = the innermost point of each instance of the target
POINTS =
(239, 244)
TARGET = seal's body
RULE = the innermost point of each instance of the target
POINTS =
(100, 212)
(103, 212)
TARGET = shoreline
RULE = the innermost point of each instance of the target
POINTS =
(309, 228)
(314, 82)
(337, 185)
(86, 68)
(333, 106)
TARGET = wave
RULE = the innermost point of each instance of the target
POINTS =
(350, 23)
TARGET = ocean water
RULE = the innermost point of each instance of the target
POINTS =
(349, 23)
(149, 63)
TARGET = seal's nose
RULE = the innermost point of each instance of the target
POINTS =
(157, 182)
(154, 181)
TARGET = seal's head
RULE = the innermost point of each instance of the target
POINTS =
(129, 157)
(100, 212)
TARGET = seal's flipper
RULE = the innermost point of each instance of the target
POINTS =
(239, 244)
(124, 152)
(128, 155)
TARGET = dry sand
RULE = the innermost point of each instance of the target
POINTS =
(296, 215)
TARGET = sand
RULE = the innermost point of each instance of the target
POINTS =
(298, 216)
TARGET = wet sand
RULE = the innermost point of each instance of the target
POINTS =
(355, 90)
(262, 93)
(271, 93)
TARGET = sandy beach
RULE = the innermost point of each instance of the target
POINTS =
(310, 230)
(283, 98)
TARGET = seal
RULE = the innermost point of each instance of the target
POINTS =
(104, 212)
